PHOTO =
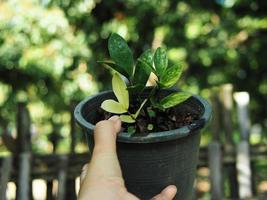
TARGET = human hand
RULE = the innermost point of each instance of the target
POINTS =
(102, 178)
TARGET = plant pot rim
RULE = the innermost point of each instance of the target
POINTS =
(152, 137)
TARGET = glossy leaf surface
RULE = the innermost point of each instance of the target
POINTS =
(120, 53)
(160, 61)
(143, 68)
(174, 99)
(115, 67)
(171, 76)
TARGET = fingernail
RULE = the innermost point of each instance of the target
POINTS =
(114, 118)
(117, 122)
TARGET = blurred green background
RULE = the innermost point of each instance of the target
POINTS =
(49, 49)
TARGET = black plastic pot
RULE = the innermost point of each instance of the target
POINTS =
(152, 162)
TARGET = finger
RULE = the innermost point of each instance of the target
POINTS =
(167, 194)
(104, 162)
(105, 134)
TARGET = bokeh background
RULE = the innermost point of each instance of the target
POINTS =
(49, 49)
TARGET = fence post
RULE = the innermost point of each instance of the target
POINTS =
(215, 153)
(24, 177)
(24, 189)
(49, 190)
(226, 98)
(73, 132)
(62, 177)
(54, 138)
(71, 193)
(227, 103)
(4, 177)
(243, 151)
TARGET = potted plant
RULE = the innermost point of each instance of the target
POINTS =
(159, 142)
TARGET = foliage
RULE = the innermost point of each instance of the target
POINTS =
(42, 61)
(166, 77)
(217, 42)
(48, 49)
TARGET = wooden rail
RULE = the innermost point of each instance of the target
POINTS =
(48, 166)
(227, 161)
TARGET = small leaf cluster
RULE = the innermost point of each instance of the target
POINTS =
(137, 74)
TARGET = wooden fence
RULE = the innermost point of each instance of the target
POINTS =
(226, 160)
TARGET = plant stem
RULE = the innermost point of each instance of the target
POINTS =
(131, 115)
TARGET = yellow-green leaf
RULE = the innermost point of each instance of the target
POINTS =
(127, 118)
(113, 106)
(120, 90)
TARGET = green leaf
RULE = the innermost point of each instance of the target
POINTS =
(113, 106)
(171, 76)
(174, 99)
(160, 61)
(120, 90)
(151, 113)
(150, 127)
(115, 67)
(147, 65)
(140, 108)
(120, 52)
(131, 130)
(143, 68)
(127, 118)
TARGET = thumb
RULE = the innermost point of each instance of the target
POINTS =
(104, 161)
(105, 134)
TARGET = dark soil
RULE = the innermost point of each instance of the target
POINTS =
(169, 119)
